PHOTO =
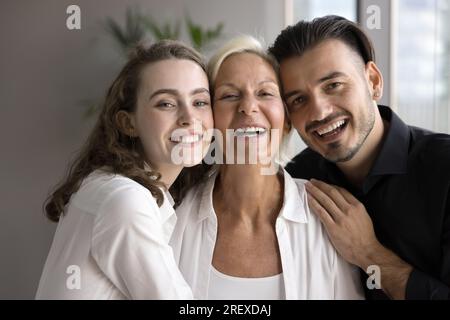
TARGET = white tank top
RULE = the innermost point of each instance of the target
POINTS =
(225, 287)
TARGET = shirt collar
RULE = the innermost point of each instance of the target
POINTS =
(168, 198)
(167, 211)
(295, 204)
(167, 206)
(393, 156)
(294, 200)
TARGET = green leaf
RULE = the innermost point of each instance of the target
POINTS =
(195, 33)
(166, 31)
(114, 29)
(201, 37)
(129, 35)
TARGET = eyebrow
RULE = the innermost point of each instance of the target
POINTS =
(229, 84)
(268, 81)
(331, 75)
(176, 92)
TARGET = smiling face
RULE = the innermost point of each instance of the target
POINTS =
(172, 97)
(330, 95)
(247, 99)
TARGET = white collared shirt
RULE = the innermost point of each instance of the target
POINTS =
(112, 243)
(312, 269)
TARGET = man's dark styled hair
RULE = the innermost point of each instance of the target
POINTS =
(295, 40)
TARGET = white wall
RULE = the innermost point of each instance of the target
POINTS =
(46, 70)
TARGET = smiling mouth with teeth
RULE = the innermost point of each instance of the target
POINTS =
(249, 132)
(332, 129)
(187, 139)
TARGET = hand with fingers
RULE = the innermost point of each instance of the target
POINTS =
(351, 232)
(345, 218)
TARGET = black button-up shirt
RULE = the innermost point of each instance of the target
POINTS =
(407, 195)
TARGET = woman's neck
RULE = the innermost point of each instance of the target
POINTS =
(242, 190)
(169, 173)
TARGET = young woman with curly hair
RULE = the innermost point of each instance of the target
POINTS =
(114, 212)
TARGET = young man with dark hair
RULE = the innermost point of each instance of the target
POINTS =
(395, 216)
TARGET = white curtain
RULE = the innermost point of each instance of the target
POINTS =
(309, 9)
(423, 63)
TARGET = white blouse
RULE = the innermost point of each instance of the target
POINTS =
(312, 269)
(112, 243)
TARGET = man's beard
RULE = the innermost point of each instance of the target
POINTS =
(363, 130)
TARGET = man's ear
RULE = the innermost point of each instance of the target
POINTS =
(375, 80)
(126, 123)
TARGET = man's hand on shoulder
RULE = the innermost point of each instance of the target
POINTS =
(352, 234)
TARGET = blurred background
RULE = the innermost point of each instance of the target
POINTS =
(53, 74)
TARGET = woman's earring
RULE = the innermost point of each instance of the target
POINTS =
(131, 134)
(132, 143)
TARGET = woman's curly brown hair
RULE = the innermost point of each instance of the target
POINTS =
(108, 147)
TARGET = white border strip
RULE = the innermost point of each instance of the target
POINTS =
(393, 45)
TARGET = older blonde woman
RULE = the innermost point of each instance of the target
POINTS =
(245, 234)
